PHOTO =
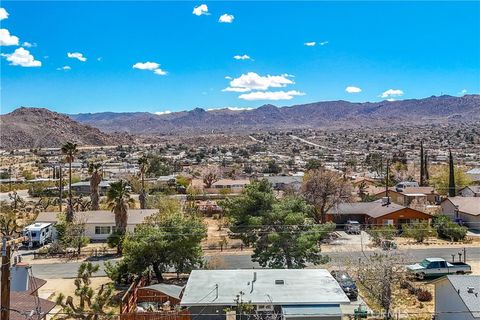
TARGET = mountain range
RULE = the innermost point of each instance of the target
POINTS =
(39, 127)
(313, 115)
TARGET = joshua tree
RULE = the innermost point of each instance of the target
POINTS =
(91, 305)
(119, 200)
(451, 177)
(143, 164)
(95, 179)
(69, 150)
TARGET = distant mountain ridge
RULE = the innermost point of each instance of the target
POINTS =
(325, 114)
(39, 127)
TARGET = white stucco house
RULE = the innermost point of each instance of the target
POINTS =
(465, 208)
(100, 224)
(457, 297)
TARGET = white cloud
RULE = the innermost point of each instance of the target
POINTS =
(390, 93)
(99, 59)
(23, 58)
(28, 44)
(323, 43)
(226, 18)
(3, 14)
(253, 81)
(464, 91)
(230, 89)
(159, 113)
(271, 95)
(200, 10)
(310, 44)
(6, 39)
(66, 68)
(152, 66)
(228, 77)
(242, 57)
(351, 89)
(76, 55)
(146, 65)
(160, 72)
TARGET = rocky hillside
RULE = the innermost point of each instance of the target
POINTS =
(37, 127)
(326, 114)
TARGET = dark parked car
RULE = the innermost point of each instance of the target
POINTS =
(347, 284)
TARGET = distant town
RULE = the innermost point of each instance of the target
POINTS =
(153, 228)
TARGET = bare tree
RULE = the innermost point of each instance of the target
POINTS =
(379, 275)
(325, 189)
(210, 177)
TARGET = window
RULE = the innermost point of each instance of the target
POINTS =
(264, 307)
(388, 222)
(102, 230)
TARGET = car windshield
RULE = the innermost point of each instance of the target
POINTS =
(345, 280)
(424, 263)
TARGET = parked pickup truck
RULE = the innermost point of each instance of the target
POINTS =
(436, 267)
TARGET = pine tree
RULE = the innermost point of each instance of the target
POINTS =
(427, 175)
(422, 166)
(451, 178)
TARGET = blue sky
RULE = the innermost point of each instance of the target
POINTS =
(287, 53)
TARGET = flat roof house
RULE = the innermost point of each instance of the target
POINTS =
(457, 297)
(291, 293)
(375, 213)
(100, 224)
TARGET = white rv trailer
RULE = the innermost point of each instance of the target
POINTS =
(38, 233)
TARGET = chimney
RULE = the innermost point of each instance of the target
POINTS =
(20, 277)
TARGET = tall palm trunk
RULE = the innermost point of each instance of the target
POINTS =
(143, 197)
(94, 193)
(70, 202)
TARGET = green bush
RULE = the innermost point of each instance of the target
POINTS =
(382, 233)
(447, 229)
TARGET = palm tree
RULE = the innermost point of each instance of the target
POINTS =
(119, 200)
(69, 149)
(143, 163)
(95, 179)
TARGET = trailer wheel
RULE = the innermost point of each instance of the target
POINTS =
(421, 276)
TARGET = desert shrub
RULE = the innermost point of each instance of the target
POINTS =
(378, 234)
(405, 285)
(424, 295)
(447, 229)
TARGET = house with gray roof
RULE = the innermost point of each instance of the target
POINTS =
(99, 224)
(469, 191)
(285, 182)
(466, 209)
(289, 293)
(375, 213)
(457, 297)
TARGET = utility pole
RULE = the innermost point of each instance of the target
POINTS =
(386, 183)
(60, 185)
(5, 299)
(5, 280)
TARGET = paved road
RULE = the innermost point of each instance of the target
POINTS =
(238, 261)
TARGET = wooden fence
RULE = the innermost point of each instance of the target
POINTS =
(129, 299)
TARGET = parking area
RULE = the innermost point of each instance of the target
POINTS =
(348, 242)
